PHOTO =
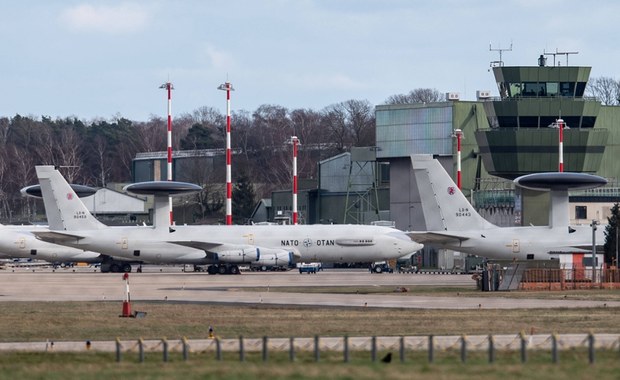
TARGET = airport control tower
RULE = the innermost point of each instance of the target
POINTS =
(522, 137)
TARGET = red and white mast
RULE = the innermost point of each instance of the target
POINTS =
(169, 87)
(560, 124)
(458, 134)
(295, 142)
(228, 88)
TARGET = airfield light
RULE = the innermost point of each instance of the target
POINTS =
(227, 86)
(459, 135)
(169, 87)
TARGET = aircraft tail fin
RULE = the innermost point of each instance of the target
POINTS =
(443, 204)
(64, 209)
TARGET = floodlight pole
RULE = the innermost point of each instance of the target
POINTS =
(295, 142)
(459, 135)
(593, 225)
(169, 87)
(227, 86)
(560, 123)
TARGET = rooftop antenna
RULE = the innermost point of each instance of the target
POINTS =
(500, 51)
(566, 53)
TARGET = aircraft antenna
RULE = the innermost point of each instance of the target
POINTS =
(227, 86)
(169, 87)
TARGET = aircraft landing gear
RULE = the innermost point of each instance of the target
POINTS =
(223, 269)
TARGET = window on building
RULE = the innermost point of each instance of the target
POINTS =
(581, 212)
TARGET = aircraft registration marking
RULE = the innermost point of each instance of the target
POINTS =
(463, 212)
(79, 215)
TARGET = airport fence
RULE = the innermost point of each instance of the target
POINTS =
(397, 348)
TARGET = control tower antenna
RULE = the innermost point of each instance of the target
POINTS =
(566, 53)
(501, 51)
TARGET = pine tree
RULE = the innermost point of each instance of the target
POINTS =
(243, 199)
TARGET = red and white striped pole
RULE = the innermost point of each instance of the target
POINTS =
(458, 134)
(228, 88)
(169, 87)
(295, 142)
(126, 312)
(560, 124)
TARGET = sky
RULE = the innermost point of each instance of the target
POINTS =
(104, 59)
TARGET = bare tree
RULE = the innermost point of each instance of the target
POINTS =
(605, 89)
(151, 134)
(419, 95)
(361, 121)
(334, 122)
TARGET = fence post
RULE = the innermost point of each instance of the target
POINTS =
(591, 348)
(118, 350)
(491, 349)
(265, 349)
(554, 348)
(401, 349)
(317, 354)
(430, 348)
(241, 349)
(346, 349)
(523, 347)
(463, 348)
(218, 349)
(185, 349)
(141, 350)
(165, 349)
(373, 349)
(291, 349)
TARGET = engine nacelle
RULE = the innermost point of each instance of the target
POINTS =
(274, 257)
(239, 256)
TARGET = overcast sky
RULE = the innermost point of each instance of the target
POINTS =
(98, 59)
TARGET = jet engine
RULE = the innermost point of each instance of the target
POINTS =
(239, 256)
(274, 257)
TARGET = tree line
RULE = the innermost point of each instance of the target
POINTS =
(100, 152)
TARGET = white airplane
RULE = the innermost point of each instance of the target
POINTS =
(224, 247)
(453, 223)
(19, 242)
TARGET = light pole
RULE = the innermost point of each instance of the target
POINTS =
(228, 88)
(169, 87)
(295, 142)
(593, 225)
(459, 135)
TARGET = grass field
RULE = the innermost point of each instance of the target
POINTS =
(56, 321)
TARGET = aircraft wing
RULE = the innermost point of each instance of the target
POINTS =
(436, 237)
(202, 245)
(208, 247)
(56, 237)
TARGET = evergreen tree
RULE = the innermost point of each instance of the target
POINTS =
(611, 232)
(243, 200)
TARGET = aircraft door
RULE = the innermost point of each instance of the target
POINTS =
(516, 247)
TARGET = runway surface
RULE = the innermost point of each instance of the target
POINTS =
(172, 284)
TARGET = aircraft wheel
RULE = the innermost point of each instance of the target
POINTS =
(115, 268)
(234, 269)
(222, 269)
(212, 269)
(127, 268)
